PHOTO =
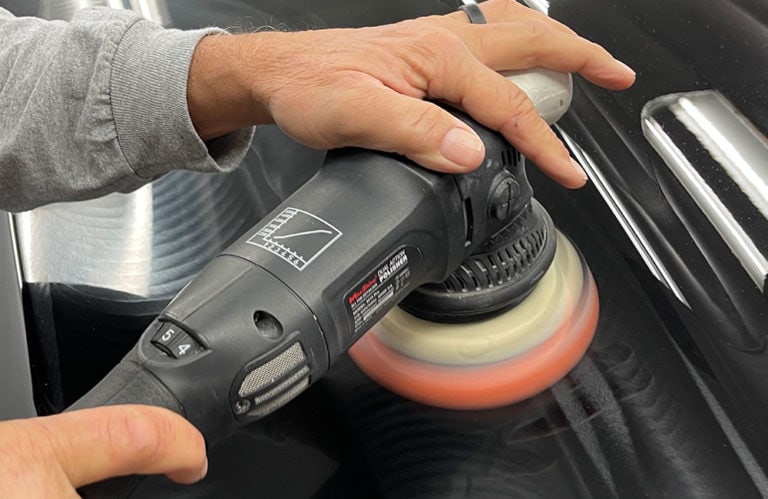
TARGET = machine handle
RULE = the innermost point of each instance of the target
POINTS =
(127, 383)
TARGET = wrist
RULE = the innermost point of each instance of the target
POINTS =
(221, 93)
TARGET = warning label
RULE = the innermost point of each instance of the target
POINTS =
(367, 300)
(296, 236)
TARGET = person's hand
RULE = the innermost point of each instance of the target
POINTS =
(52, 456)
(366, 87)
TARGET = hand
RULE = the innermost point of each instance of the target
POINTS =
(52, 456)
(366, 87)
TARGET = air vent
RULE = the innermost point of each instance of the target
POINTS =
(272, 371)
(497, 276)
(496, 268)
(272, 384)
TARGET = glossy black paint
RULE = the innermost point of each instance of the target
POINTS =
(680, 47)
(629, 421)
(669, 399)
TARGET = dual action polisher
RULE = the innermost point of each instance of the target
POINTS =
(495, 304)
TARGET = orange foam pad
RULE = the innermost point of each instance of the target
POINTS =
(491, 385)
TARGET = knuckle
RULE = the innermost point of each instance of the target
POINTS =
(136, 431)
(341, 125)
(507, 5)
(450, 43)
(351, 79)
(436, 46)
(591, 54)
(536, 30)
(522, 110)
(421, 22)
(429, 126)
(598, 50)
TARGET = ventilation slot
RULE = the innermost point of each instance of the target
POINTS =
(276, 403)
(271, 372)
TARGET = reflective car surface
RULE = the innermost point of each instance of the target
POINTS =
(670, 398)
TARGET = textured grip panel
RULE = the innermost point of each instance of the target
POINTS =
(128, 383)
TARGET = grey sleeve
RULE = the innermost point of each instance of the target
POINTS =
(97, 105)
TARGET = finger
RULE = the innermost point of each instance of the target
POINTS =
(523, 45)
(498, 104)
(504, 11)
(420, 130)
(94, 444)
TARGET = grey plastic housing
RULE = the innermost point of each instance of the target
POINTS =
(550, 91)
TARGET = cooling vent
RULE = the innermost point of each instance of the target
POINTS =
(500, 273)
(273, 384)
(510, 157)
(495, 268)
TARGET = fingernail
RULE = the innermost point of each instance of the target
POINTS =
(204, 471)
(462, 147)
(579, 170)
(625, 67)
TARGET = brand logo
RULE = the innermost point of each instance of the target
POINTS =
(296, 236)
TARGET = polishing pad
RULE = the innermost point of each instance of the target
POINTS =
(493, 362)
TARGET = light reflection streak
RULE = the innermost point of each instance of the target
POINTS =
(623, 216)
(716, 125)
(728, 143)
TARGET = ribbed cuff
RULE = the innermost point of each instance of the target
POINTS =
(148, 90)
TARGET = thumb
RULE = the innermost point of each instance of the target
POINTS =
(418, 129)
(94, 444)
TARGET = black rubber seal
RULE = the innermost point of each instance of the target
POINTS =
(474, 13)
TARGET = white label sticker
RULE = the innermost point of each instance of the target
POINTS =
(296, 236)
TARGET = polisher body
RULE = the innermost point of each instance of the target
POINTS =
(270, 314)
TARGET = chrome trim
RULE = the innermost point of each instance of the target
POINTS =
(739, 150)
(613, 200)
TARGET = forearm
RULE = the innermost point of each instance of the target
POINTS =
(97, 105)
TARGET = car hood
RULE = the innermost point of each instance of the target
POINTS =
(670, 397)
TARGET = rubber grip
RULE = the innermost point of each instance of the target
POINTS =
(127, 383)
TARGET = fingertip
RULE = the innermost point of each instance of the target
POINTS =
(188, 477)
(624, 68)
(578, 172)
(162, 441)
(615, 75)
(569, 174)
(204, 471)
(462, 147)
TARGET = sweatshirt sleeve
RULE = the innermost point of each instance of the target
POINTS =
(98, 105)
